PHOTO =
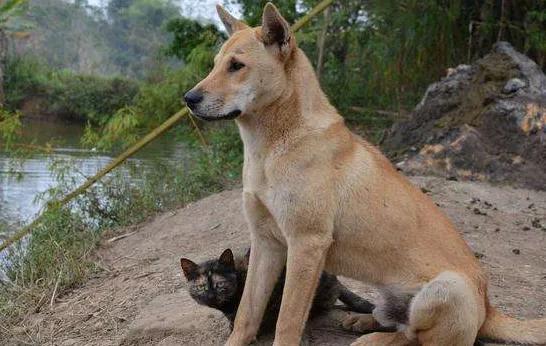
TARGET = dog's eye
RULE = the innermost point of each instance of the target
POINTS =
(235, 65)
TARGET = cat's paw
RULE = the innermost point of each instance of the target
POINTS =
(359, 322)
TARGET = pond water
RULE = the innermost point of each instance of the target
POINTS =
(18, 192)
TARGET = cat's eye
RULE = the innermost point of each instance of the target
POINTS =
(220, 284)
(235, 65)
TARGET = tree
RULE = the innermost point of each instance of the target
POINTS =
(188, 34)
(8, 10)
(137, 32)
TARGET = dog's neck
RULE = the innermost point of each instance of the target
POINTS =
(301, 108)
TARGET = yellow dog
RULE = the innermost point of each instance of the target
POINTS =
(316, 196)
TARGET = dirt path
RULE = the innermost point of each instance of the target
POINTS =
(140, 297)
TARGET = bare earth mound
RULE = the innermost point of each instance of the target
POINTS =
(483, 122)
(140, 297)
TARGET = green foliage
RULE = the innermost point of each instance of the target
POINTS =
(10, 9)
(63, 93)
(158, 100)
(136, 33)
(252, 10)
(189, 34)
(10, 127)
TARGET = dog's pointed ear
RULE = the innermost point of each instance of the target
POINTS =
(231, 23)
(189, 268)
(276, 31)
(226, 258)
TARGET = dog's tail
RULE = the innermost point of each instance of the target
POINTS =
(354, 302)
(501, 328)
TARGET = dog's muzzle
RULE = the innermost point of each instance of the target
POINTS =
(194, 98)
(231, 115)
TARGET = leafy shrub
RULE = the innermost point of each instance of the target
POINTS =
(66, 94)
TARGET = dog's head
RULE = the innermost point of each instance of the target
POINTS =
(249, 71)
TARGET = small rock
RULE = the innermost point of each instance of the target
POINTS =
(513, 85)
(536, 223)
(497, 229)
(516, 251)
(452, 178)
(526, 228)
(479, 212)
(531, 206)
(479, 255)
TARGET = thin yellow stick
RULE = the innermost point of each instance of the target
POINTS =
(313, 13)
(157, 132)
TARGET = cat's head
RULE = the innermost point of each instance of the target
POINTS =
(213, 283)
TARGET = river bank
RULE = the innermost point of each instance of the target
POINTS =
(140, 298)
(21, 185)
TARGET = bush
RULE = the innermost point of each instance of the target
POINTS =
(66, 94)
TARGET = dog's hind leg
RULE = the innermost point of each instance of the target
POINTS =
(446, 311)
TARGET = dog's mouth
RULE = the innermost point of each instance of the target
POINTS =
(231, 115)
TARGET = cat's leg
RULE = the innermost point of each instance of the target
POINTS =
(267, 259)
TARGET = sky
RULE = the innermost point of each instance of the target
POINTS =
(200, 9)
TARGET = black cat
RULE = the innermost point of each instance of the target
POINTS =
(219, 284)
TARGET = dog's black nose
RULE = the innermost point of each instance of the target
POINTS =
(192, 98)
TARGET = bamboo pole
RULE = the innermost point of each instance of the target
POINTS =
(313, 13)
(157, 132)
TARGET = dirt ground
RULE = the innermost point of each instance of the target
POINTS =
(139, 297)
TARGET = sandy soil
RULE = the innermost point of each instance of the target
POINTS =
(140, 298)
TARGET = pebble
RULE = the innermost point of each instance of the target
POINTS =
(513, 85)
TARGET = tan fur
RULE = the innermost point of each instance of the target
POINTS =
(318, 197)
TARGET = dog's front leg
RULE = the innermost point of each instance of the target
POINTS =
(305, 262)
(267, 259)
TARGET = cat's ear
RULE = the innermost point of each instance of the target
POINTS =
(231, 23)
(226, 258)
(189, 268)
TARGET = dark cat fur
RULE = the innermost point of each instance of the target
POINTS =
(219, 284)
